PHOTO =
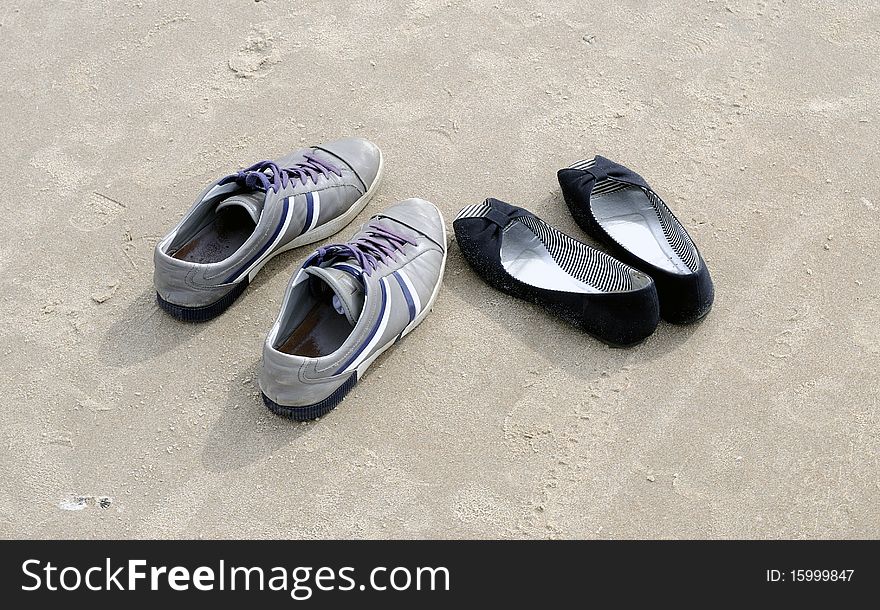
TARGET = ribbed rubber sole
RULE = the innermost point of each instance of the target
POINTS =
(206, 312)
(316, 410)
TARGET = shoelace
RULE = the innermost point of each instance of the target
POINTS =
(267, 175)
(371, 250)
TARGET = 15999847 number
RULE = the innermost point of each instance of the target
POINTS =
(821, 575)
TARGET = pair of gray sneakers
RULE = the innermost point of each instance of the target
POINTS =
(347, 304)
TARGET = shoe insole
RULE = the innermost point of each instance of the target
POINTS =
(629, 218)
(321, 332)
(525, 257)
(219, 239)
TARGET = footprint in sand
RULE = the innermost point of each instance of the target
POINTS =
(95, 211)
(476, 505)
(90, 211)
(697, 44)
(256, 57)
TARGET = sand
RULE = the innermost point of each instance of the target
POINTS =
(757, 121)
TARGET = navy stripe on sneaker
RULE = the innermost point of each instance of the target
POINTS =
(373, 332)
(348, 269)
(406, 295)
(310, 211)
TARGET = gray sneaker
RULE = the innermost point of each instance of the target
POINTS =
(348, 304)
(244, 219)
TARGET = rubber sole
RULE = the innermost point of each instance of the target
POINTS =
(206, 312)
(309, 412)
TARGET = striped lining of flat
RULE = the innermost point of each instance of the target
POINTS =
(473, 211)
(588, 265)
(674, 232)
(592, 267)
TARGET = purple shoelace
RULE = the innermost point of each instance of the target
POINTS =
(267, 175)
(373, 249)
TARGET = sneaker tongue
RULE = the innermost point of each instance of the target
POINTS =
(252, 202)
(348, 291)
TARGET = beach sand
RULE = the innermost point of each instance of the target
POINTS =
(758, 122)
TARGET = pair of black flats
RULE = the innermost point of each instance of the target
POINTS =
(653, 270)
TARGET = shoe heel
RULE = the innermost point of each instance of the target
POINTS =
(206, 312)
(314, 411)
